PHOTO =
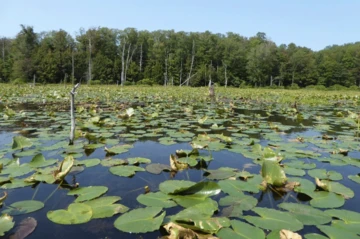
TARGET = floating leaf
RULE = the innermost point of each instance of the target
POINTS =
(233, 187)
(335, 187)
(206, 189)
(6, 223)
(39, 161)
(126, 170)
(16, 183)
(25, 228)
(171, 186)
(199, 211)
(294, 171)
(323, 174)
(306, 214)
(77, 213)
(23, 207)
(314, 236)
(157, 199)
(242, 202)
(21, 142)
(326, 200)
(140, 220)
(273, 173)
(241, 230)
(206, 225)
(157, 168)
(17, 170)
(112, 162)
(88, 193)
(355, 178)
(104, 207)
(220, 173)
(119, 149)
(334, 232)
(349, 217)
(138, 160)
(272, 219)
(87, 162)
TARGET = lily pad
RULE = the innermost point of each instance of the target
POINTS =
(77, 213)
(219, 174)
(125, 170)
(6, 223)
(306, 214)
(233, 187)
(355, 178)
(118, 149)
(157, 199)
(334, 232)
(23, 207)
(323, 174)
(88, 162)
(241, 230)
(335, 187)
(88, 193)
(25, 228)
(273, 173)
(21, 142)
(138, 160)
(326, 200)
(140, 220)
(272, 219)
(157, 168)
(207, 189)
(171, 186)
(242, 202)
(39, 161)
(106, 207)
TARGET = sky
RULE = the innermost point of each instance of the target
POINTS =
(311, 23)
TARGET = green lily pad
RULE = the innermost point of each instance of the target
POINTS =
(138, 160)
(219, 174)
(104, 207)
(305, 185)
(326, 200)
(171, 186)
(350, 227)
(306, 214)
(314, 236)
(241, 230)
(242, 202)
(272, 219)
(140, 220)
(77, 213)
(87, 162)
(349, 217)
(6, 224)
(118, 149)
(88, 193)
(16, 183)
(112, 162)
(206, 189)
(23, 207)
(197, 212)
(335, 187)
(157, 199)
(323, 174)
(355, 178)
(125, 170)
(335, 233)
(294, 171)
(300, 164)
(38, 161)
(17, 170)
(21, 142)
(157, 168)
(233, 187)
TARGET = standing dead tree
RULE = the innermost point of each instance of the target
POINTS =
(125, 63)
(72, 114)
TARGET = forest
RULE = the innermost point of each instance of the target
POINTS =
(165, 57)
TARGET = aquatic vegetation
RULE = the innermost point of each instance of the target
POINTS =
(172, 162)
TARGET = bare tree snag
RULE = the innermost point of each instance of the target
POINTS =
(141, 56)
(226, 79)
(128, 60)
(123, 64)
(72, 67)
(211, 90)
(89, 79)
(192, 62)
(72, 114)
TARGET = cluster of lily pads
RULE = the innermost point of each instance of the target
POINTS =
(293, 151)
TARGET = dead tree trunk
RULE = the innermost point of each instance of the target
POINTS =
(141, 56)
(72, 114)
(128, 60)
(123, 64)
(192, 62)
(211, 90)
(89, 79)
(226, 79)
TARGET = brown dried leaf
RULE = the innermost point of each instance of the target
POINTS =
(175, 165)
(286, 234)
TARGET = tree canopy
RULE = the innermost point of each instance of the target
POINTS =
(111, 56)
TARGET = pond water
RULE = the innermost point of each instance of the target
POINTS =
(245, 126)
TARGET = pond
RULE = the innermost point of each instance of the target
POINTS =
(214, 167)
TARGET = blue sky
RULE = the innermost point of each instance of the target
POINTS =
(311, 23)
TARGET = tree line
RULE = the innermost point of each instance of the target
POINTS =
(111, 56)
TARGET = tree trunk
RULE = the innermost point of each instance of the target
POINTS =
(166, 71)
(141, 56)
(128, 60)
(123, 64)
(192, 62)
(72, 114)
(226, 80)
(271, 80)
(89, 79)
(34, 80)
(181, 69)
